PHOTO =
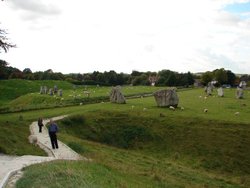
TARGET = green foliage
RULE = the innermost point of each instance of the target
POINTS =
(170, 78)
(4, 41)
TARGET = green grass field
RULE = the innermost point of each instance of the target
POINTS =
(138, 147)
(23, 95)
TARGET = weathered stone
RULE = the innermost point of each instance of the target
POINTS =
(239, 93)
(60, 92)
(243, 85)
(116, 95)
(166, 98)
(51, 91)
(209, 88)
(45, 89)
(41, 90)
(220, 92)
(55, 89)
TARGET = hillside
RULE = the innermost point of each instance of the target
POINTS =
(22, 95)
(12, 89)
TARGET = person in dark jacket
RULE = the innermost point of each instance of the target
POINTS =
(53, 129)
(40, 124)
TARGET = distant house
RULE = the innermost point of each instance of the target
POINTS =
(153, 80)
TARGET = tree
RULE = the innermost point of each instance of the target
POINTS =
(220, 75)
(231, 78)
(27, 71)
(3, 69)
(4, 43)
(206, 77)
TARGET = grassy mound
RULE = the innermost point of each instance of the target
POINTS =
(12, 89)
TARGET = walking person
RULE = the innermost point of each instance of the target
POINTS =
(40, 124)
(53, 129)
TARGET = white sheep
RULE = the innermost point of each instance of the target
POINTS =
(182, 108)
(205, 110)
(171, 107)
(144, 109)
(132, 107)
(236, 113)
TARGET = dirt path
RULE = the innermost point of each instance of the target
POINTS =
(11, 166)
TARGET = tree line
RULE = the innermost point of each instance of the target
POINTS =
(223, 77)
(111, 78)
(107, 78)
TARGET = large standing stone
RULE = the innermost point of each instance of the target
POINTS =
(116, 95)
(239, 93)
(243, 84)
(209, 89)
(166, 98)
(220, 92)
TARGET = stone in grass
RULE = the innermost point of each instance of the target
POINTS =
(60, 92)
(116, 95)
(220, 92)
(166, 98)
(239, 93)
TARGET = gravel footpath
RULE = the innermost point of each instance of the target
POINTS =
(11, 166)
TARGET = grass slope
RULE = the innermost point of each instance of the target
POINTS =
(141, 148)
(12, 89)
(71, 96)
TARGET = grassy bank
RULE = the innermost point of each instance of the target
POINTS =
(146, 146)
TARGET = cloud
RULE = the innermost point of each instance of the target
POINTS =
(134, 34)
(33, 9)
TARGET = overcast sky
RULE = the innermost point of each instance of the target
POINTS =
(144, 35)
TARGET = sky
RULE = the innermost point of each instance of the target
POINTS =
(143, 35)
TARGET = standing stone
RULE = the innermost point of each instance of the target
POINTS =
(45, 89)
(60, 92)
(51, 91)
(166, 98)
(55, 89)
(116, 95)
(41, 90)
(239, 93)
(220, 92)
(209, 88)
(243, 84)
